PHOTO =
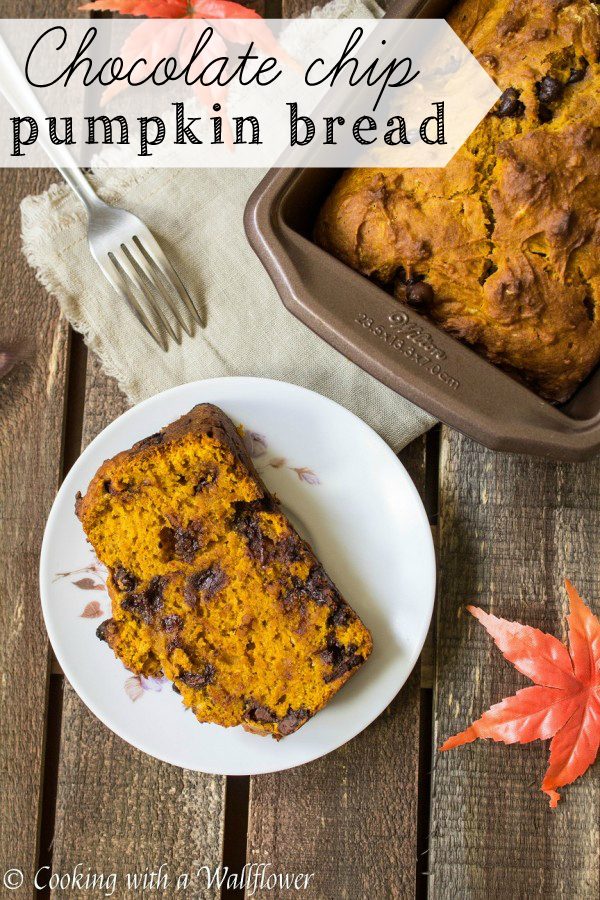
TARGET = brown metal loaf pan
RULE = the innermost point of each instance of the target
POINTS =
(391, 341)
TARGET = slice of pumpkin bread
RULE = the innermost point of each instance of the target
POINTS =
(211, 585)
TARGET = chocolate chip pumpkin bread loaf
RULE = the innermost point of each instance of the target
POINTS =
(502, 246)
(211, 585)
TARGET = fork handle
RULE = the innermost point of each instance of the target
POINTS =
(19, 94)
(79, 183)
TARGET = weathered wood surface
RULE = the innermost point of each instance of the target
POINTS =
(118, 810)
(31, 421)
(351, 817)
(511, 529)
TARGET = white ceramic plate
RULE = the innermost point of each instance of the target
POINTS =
(345, 491)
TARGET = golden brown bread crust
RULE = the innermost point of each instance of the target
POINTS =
(507, 237)
(202, 419)
(210, 584)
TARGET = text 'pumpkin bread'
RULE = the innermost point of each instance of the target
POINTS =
(211, 585)
(501, 248)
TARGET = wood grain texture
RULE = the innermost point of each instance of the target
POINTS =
(511, 529)
(31, 421)
(117, 809)
(351, 817)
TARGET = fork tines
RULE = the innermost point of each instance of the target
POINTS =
(142, 274)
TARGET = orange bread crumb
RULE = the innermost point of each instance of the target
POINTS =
(501, 247)
(211, 585)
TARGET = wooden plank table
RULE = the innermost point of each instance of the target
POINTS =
(384, 816)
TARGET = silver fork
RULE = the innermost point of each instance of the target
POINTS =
(125, 249)
(134, 263)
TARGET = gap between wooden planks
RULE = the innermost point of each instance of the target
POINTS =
(507, 527)
(511, 529)
(31, 412)
(96, 824)
(100, 823)
(117, 809)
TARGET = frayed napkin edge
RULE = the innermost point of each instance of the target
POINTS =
(46, 207)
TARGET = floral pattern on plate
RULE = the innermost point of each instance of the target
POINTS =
(372, 536)
(136, 685)
(256, 444)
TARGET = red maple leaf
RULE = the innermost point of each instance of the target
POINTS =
(563, 705)
(175, 9)
(147, 45)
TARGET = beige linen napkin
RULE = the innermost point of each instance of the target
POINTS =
(196, 214)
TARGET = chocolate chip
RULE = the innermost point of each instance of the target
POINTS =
(124, 580)
(175, 643)
(247, 525)
(256, 712)
(186, 542)
(346, 665)
(289, 549)
(200, 678)
(151, 441)
(135, 604)
(318, 588)
(172, 623)
(419, 293)
(105, 629)
(147, 603)
(340, 616)
(549, 90)
(545, 114)
(293, 598)
(206, 479)
(333, 654)
(109, 487)
(509, 105)
(263, 714)
(190, 592)
(260, 547)
(166, 542)
(293, 720)
(578, 74)
(154, 592)
(207, 583)
(321, 588)
(341, 658)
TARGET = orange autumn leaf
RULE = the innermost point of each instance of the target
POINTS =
(564, 703)
(178, 36)
(234, 22)
(175, 9)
